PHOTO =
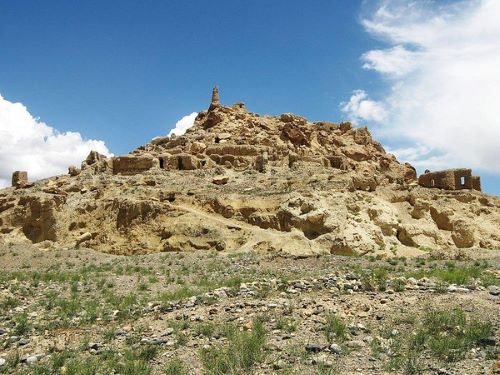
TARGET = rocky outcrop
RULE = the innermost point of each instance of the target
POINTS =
(463, 234)
(37, 217)
(240, 181)
(130, 212)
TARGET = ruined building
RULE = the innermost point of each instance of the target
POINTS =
(450, 179)
(19, 178)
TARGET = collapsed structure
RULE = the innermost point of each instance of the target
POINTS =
(250, 141)
(450, 179)
(237, 180)
(19, 179)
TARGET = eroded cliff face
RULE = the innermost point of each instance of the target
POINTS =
(241, 181)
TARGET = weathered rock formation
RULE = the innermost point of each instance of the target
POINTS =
(238, 180)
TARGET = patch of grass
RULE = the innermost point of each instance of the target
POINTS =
(449, 334)
(243, 351)
(22, 325)
(109, 335)
(134, 363)
(286, 324)
(399, 285)
(178, 294)
(335, 329)
(446, 335)
(9, 303)
(461, 275)
(175, 367)
(205, 329)
(147, 352)
(82, 366)
(142, 286)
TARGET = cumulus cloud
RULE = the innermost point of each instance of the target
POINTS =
(183, 124)
(442, 76)
(396, 61)
(28, 144)
(360, 108)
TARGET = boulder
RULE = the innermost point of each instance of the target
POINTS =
(220, 180)
(462, 234)
(197, 147)
(160, 141)
(73, 171)
(293, 133)
(442, 217)
(364, 183)
(420, 208)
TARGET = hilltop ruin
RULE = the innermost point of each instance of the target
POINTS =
(241, 181)
(451, 179)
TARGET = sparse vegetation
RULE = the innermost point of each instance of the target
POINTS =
(128, 316)
(243, 351)
(335, 329)
(444, 334)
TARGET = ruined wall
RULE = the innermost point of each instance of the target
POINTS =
(19, 178)
(476, 183)
(181, 162)
(450, 179)
(129, 165)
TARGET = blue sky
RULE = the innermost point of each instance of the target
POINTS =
(125, 72)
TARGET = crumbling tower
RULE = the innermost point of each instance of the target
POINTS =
(215, 99)
(19, 179)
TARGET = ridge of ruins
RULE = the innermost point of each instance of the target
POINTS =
(286, 183)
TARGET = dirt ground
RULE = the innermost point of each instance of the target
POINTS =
(83, 312)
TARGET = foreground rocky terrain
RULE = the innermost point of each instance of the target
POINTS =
(85, 312)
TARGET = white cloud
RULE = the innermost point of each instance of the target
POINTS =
(183, 124)
(395, 61)
(441, 68)
(28, 144)
(359, 107)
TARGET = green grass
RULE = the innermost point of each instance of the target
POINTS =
(205, 329)
(335, 329)
(243, 351)
(22, 326)
(449, 334)
(9, 303)
(286, 324)
(175, 367)
(461, 275)
(445, 335)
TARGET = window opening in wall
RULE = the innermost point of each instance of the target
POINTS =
(462, 181)
(180, 166)
(162, 163)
